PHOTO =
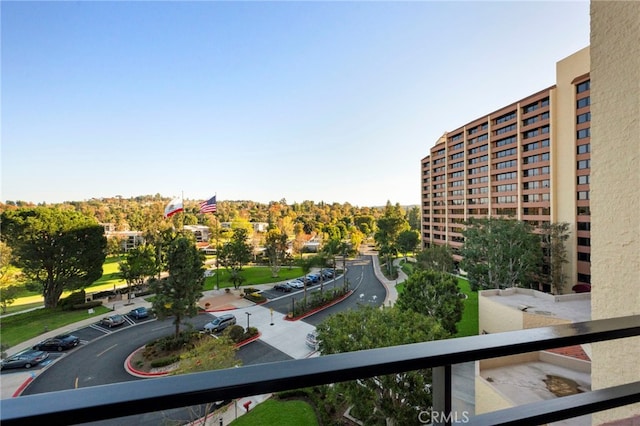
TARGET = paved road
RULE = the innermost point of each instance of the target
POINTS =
(102, 361)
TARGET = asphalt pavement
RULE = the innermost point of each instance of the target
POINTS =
(280, 333)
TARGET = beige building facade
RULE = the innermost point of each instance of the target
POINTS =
(529, 160)
(615, 268)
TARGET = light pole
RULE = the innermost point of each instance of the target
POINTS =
(248, 315)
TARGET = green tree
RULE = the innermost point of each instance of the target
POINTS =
(56, 249)
(365, 223)
(408, 241)
(435, 294)
(435, 258)
(413, 217)
(276, 250)
(398, 397)
(9, 276)
(177, 294)
(389, 227)
(500, 253)
(138, 264)
(235, 254)
(554, 237)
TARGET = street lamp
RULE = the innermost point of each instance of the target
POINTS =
(248, 315)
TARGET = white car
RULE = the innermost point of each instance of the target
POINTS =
(296, 284)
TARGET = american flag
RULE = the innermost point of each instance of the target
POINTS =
(208, 206)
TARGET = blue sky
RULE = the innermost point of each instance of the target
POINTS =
(322, 101)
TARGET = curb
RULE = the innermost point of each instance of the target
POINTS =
(145, 375)
(23, 386)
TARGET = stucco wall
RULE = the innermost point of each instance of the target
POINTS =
(494, 317)
(615, 182)
(534, 320)
(489, 398)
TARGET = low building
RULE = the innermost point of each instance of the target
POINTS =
(515, 380)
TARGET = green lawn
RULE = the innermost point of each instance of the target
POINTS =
(278, 413)
(468, 325)
(20, 327)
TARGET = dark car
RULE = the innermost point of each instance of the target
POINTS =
(138, 313)
(26, 359)
(58, 343)
(282, 287)
(112, 321)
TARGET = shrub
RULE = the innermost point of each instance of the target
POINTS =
(76, 298)
(255, 297)
(87, 305)
(172, 343)
(162, 362)
(235, 333)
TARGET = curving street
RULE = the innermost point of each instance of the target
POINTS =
(101, 356)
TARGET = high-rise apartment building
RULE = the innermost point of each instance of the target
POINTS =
(529, 160)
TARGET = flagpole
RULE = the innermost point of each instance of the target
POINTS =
(215, 214)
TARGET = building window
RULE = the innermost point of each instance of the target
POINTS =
(505, 129)
(583, 149)
(529, 121)
(583, 102)
(506, 117)
(584, 164)
(530, 107)
(583, 211)
(583, 118)
(583, 87)
(583, 180)
(544, 102)
(506, 164)
(584, 133)
(584, 241)
(584, 278)
(478, 149)
(584, 226)
(584, 257)
(583, 195)
(506, 153)
(480, 159)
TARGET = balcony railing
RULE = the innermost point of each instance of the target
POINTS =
(137, 397)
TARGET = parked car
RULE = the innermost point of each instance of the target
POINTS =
(327, 273)
(112, 321)
(296, 284)
(26, 359)
(220, 323)
(138, 313)
(283, 287)
(312, 340)
(313, 278)
(58, 343)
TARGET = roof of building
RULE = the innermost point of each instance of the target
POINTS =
(575, 307)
